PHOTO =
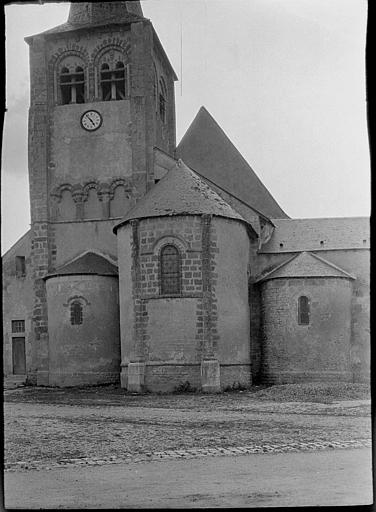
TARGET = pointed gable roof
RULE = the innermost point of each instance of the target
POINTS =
(87, 263)
(207, 149)
(83, 13)
(180, 192)
(305, 264)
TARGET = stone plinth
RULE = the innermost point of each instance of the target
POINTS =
(136, 377)
(210, 376)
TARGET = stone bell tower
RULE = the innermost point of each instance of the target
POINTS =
(101, 100)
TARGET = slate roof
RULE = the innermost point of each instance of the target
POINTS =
(305, 264)
(319, 234)
(180, 192)
(206, 149)
(86, 264)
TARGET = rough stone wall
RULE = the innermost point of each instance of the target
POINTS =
(88, 353)
(318, 351)
(73, 238)
(230, 265)
(173, 334)
(38, 179)
(18, 302)
(357, 263)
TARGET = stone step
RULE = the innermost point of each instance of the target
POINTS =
(14, 381)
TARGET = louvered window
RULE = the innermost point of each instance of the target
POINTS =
(113, 81)
(170, 271)
(303, 310)
(72, 85)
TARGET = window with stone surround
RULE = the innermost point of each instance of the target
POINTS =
(170, 270)
(72, 85)
(162, 100)
(303, 310)
(76, 313)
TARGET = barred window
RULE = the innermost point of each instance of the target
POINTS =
(303, 310)
(170, 271)
(18, 326)
(72, 85)
(76, 316)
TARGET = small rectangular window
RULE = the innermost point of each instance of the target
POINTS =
(20, 266)
(18, 326)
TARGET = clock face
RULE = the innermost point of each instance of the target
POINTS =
(91, 120)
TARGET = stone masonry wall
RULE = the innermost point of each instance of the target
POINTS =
(357, 263)
(38, 179)
(18, 303)
(172, 334)
(318, 351)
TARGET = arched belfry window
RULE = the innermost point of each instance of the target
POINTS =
(162, 100)
(303, 310)
(76, 313)
(72, 85)
(112, 81)
(170, 270)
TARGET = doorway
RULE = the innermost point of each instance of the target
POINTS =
(19, 359)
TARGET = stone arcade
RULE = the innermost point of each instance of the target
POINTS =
(154, 265)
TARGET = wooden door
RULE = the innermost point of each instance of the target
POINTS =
(19, 359)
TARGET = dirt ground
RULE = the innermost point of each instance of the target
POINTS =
(341, 477)
(73, 448)
(51, 425)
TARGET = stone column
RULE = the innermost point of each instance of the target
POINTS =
(105, 197)
(210, 370)
(136, 365)
(78, 198)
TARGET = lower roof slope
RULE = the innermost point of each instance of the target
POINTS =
(86, 264)
(180, 192)
(319, 234)
(206, 149)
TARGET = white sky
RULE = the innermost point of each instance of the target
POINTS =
(285, 79)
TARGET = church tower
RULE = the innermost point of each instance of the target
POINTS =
(101, 101)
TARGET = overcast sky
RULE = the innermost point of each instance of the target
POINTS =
(285, 79)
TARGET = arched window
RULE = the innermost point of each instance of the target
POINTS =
(162, 100)
(112, 81)
(72, 85)
(303, 310)
(76, 316)
(170, 270)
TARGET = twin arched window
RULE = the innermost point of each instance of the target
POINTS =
(76, 313)
(72, 78)
(303, 310)
(170, 270)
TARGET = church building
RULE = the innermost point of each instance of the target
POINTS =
(154, 265)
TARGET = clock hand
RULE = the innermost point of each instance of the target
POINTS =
(90, 119)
